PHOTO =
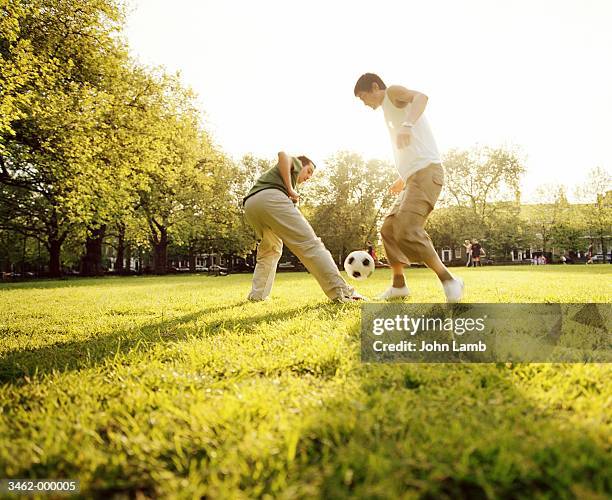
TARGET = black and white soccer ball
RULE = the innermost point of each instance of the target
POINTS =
(359, 265)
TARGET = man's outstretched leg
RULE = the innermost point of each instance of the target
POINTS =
(288, 224)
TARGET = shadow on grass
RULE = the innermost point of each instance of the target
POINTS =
(407, 434)
(404, 432)
(401, 431)
(73, 282)
(71, 356)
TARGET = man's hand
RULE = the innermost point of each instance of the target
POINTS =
(293, 196)
(404, 136)
(397, 186)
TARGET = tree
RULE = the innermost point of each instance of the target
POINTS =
(58, 62)
(546, 217)
(217, 225)
(178, 188)
(480, 177)
(567, 235)
(449, 226)
(506, 230)
(597, 193)
(347, 201)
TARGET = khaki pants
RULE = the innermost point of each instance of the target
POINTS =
(276, 220)
(403, 231)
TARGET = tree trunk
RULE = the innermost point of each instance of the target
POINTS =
(128, 260)
(7, 261)
(119, 266)
(91, 262)
(23, 256)
(139, 261)
(54, 245)
(192, 258)
(160, 249)
(55, 266)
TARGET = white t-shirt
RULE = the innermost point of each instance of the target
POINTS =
(422, 149)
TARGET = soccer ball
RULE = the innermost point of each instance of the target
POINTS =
(359, 265)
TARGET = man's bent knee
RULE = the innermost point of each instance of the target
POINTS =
(386, 231)
(272, 252)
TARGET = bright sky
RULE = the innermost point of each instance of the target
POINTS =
(279, 75)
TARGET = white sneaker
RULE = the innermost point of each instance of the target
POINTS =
(453, 289)
(394, 293)
(353, 297)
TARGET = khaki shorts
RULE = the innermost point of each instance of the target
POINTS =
(403, 231)
(421, 191)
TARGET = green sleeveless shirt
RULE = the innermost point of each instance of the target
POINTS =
(271, 179)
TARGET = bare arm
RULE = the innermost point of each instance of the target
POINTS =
(401, 97)
(284, 165)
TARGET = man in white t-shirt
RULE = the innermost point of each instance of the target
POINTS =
(420, 181)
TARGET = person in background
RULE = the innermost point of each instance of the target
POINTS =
(467, 244)
(590, 254)
(372, 251)
(476, 248)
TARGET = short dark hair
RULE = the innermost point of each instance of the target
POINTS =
(305, 160)
(364, 84)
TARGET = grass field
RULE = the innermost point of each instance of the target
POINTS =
(177, 387)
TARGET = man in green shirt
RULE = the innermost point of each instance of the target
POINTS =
(270, 208)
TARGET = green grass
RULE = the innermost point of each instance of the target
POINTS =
(176, 387)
